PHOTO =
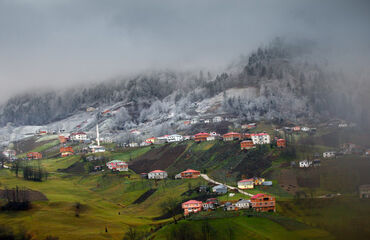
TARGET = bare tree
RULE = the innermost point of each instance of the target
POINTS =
(170, 206)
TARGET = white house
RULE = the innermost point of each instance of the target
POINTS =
(328, 154)
(217, 119)
(145, 143)
(305, 164)
(175, 138)
(187, 137)
(133, 144)
(342, 125)
(213, 136)
(243, 204)
(260, 138)
(207, 121)
(79, 136)
(106, 140)
(97, 149)
(10, 154)
(194, 121)
(157, 174)
(305, 129)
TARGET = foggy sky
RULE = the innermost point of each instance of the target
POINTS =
(60, 43)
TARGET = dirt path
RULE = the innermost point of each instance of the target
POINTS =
(205, 176)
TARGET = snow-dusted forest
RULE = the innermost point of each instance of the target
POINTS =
(281, 81)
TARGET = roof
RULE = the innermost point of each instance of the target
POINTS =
(78, 133)
(244, 201)
(201, 134)
(259, 195)
(190, 171)
(158, 171)
(232, 133)
(116, 161)
(192, 202)
(259, 134)
(220, 186)
(247, 180)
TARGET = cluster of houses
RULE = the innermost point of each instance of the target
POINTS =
(252, 182)
(248, 140)
(260, 203)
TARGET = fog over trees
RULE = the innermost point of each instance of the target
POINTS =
(289, 81)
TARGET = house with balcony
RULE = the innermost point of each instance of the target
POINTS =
(192, 206)
(231, 136)
(201, 137)
(190, 173)
(66, 151)
(157, 174)
(263, 203)
(247, 145)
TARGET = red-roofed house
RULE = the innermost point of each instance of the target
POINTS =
(157, 174)
(62, 139)
(247, 144)
(263, 203)
(190, 173)
(34, 155)
(66, 151)
(246, 184)
(117, 165)
(192, 206)
(201, 137)
(231, 136)
(281, 143)
(151, 140)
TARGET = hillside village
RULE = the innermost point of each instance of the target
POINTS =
(248, 192)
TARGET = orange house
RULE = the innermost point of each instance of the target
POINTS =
(34, 155)
(281, 143)
(192, 206)
(66, 151)
(231, 136)
(62, 139)
(190, 173)
(201, 137)
(247, 144)
(263, 203)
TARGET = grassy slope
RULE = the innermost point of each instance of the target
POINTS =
(246, 228)
(103, 195)
(345, 217)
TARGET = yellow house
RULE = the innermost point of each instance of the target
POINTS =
(246, 184)
(151, 140)
(258, 181)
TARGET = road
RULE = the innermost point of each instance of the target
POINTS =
(205, 177)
